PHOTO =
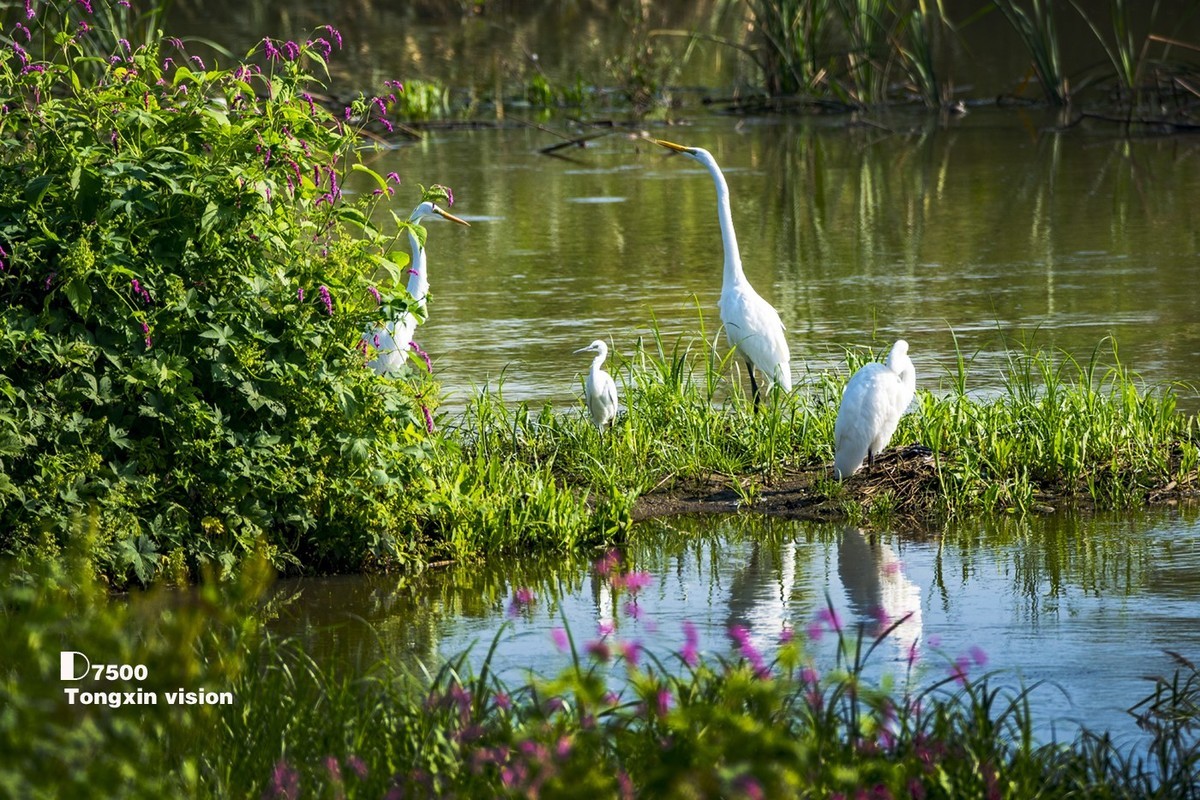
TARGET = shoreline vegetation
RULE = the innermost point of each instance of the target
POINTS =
(184, 399)
(186, 286)
(728, 719)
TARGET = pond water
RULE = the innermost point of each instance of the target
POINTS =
(985, 233)
(1085, 606)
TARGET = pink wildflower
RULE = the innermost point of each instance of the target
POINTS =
(690, 654)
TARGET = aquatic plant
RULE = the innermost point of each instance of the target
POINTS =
(1038, 31)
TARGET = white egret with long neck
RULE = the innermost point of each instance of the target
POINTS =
(393, 339)
(752, 325)
(872, 404)
(599, 390)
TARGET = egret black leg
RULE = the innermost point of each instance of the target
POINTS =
(753, 384)
(870, 459)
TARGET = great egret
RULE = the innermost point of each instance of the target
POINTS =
(752, 325)
(874, 400)
(598, 387)
(392, 339)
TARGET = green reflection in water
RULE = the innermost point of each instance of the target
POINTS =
(991, 226)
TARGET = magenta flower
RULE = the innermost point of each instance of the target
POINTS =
(632, 610)
(502, 700)
(337, 37)
(326, 298)
(285, 782)
(636, 581)
(662, 702)
(375, 293)
(958, 670)
(599, 650)
(87, 5)
(741, 637)
(749, 787)
(829, 617)
(333, 768)
(271, 50)
(29, 12)
(607, 563)
(428, 418)
(358, 766)
(913, 654)
(690, 654)
(606, 627)
(632, 651)
(522, 599)
(560, 638)
(424, 355)
(978, 656)
(787, 635)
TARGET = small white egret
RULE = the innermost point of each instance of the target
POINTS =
(599, 388)
(392, 339)
(752, 325)
(872, 404)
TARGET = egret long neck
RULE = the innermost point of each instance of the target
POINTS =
(733, 274)
(418, 281)
(597, 362)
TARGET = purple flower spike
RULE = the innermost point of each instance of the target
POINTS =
(29, 12)
(358, 766)
(327, 299)
(978, 656)
(375, 293)
(428, 418)
(424, 355)
(522, 599)
(285, 781)
(690, 654)
(830, 618)
(636, 581)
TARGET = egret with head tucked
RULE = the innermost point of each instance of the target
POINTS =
(599, 390)
(872, 404)
(752, 325)
(393, 340)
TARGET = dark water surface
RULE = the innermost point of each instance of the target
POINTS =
(1086, 606)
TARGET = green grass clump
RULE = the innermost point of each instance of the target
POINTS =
(1078, 430)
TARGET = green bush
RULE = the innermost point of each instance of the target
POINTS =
(183, 291)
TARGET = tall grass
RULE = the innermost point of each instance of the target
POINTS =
(1038, 31)
(1058, 429)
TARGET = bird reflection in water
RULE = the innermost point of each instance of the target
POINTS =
(878, 589)
(760, 595)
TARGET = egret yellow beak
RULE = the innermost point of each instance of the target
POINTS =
(672, 146)
(447, 215)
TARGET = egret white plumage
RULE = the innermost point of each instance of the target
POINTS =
(872, 404)
(752, 325)
(392, 339)
(598, 387)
